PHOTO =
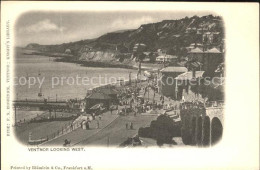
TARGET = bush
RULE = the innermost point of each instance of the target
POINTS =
(162, 130)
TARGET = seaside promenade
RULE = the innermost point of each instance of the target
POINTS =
(110, 130)
(80, 134)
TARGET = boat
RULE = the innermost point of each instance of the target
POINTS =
(39, 73)
(40, 93)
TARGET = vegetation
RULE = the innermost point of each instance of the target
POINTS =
(171, 36)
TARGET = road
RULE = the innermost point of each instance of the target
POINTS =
(116, 133)
(80, 134)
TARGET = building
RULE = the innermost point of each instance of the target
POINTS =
(98, 97)
(68, 51)
(87, 48)
(210, 37)
(167, 81)
(166, 58)
(188, 81)
(111, 92)
(193, 46)
(202, 122)
(210, 59)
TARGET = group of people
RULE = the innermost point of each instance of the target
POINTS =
(129, 125)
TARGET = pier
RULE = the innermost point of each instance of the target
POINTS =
(58, 104)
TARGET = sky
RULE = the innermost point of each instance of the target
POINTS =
(63, 27)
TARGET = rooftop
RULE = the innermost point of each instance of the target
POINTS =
(98, 95)
(174, 69)
(107, 91)
(188, 75)
(213, 50)
(196, 50)
(167, 56)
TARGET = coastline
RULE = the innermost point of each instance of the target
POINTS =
(101, 64)
(68, 58)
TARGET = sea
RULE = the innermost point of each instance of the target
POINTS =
(36, 74)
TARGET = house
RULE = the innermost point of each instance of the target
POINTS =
(139, 48)
(196, 54)
(193, 46)
(210, 59)
(167, 82)
(188, 80)
(87, 48)
(98, 97)
(149, 57)
(111, 92)
(191, 30)
(166, 58)
(210, 37)
(67, 51)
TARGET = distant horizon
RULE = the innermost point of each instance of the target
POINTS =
(58, 28)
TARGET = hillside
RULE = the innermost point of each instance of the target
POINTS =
(169, 35)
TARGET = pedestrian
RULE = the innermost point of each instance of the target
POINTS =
(183, 99)
(126, 125)
(97, 124)
(99, 117)
(87, 125)
(131, 125)
(111, 110)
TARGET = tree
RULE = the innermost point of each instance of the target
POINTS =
(138, 50)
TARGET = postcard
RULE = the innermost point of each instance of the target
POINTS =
(129, 85)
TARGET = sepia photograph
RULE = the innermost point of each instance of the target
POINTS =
(122, 79)
(91, 78)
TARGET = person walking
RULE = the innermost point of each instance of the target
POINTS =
(71, 127)
(126, 125)
(131, 125)
(87, 125)
(97, 124)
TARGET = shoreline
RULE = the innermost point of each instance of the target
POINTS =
(69, 58)
(60, 57)
(100, 64)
